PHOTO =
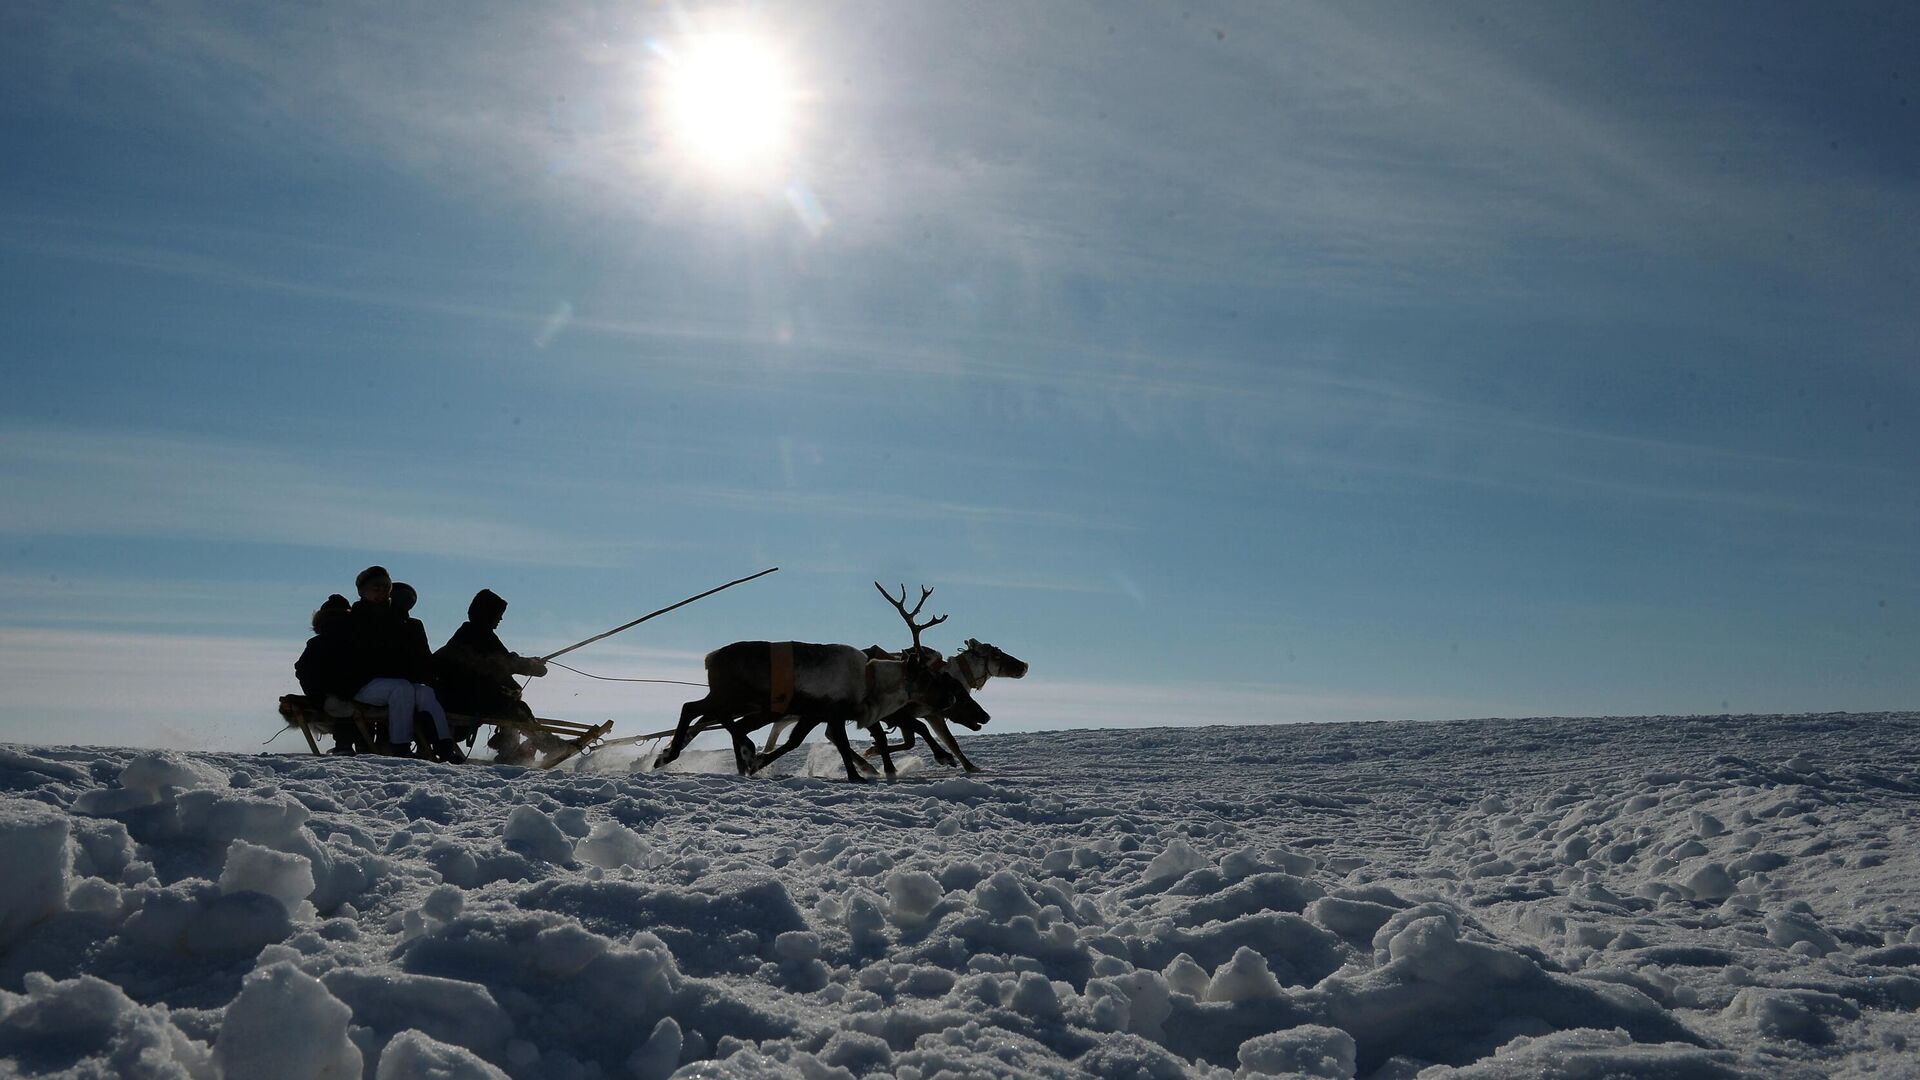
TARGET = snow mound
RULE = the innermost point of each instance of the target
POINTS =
(38, 861)
(414, 1056)
(285, 1024)
(89, 1027)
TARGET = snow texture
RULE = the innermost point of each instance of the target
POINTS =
(1681, 897)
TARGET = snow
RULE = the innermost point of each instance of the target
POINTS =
(1682, 897)
(34, 850)
(285, 1023)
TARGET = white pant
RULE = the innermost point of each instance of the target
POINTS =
(403, 699)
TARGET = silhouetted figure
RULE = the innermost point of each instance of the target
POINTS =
(326, 668)
(474, 671)
(417, 659)
(381, 661)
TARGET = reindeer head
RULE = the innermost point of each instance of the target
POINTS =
(929, 679)
(946, 696)
(993, 661)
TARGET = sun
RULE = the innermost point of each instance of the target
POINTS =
(728, 103)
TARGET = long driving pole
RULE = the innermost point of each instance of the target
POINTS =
(662, 611)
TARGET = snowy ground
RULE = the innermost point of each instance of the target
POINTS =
(1673, 897)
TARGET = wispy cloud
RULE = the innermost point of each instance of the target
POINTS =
(1031, 583)
(75, 482)
(1024, 580)
(1327, 146)
(184, 262)
(843, 505)
(114, 601)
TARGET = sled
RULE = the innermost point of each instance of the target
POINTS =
(563, 738)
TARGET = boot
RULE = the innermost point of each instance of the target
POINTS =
(448, 751)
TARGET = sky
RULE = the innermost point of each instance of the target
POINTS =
(1227, 363)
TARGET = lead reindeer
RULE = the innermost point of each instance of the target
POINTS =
(949, 696)
(973, 665)
(754, 683)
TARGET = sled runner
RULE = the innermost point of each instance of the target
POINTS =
(553, 741)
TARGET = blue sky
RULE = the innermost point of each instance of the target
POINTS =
(1228, 363)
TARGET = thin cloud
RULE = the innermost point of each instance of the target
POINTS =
(41, 599)
(984, 579)
(1028, 583)
(178, 262)
(1372, 142)
(871, 504)
(1279, 413)
(73, 482)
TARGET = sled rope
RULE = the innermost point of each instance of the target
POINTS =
(610, 678)
(662, 611)
(628, 626)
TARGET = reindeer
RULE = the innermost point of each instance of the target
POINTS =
(949, 696)
(753, 683)
(973, 665)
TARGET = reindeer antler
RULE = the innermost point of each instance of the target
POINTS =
(900, 605)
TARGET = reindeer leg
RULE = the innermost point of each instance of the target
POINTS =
(912, 724)
(837, 734)
(801, 730)
(909, 725)
(864, 759)
(940, 729)
(744, 758)
(773, 734)
(881, 746)
(886, 749)
(683, 732)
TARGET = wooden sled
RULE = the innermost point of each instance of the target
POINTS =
(555, 740)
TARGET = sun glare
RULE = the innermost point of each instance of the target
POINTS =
(728, 103)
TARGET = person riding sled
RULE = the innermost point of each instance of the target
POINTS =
(391, 672)
(412, 640)
(474, 670)
(325, 669)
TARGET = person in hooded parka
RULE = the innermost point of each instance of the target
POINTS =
(474, 670)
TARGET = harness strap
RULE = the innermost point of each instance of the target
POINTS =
(780, 681)
(965, 664)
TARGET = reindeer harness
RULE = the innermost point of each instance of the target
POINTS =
(780, 678)
(780, 686)
(963, 663)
